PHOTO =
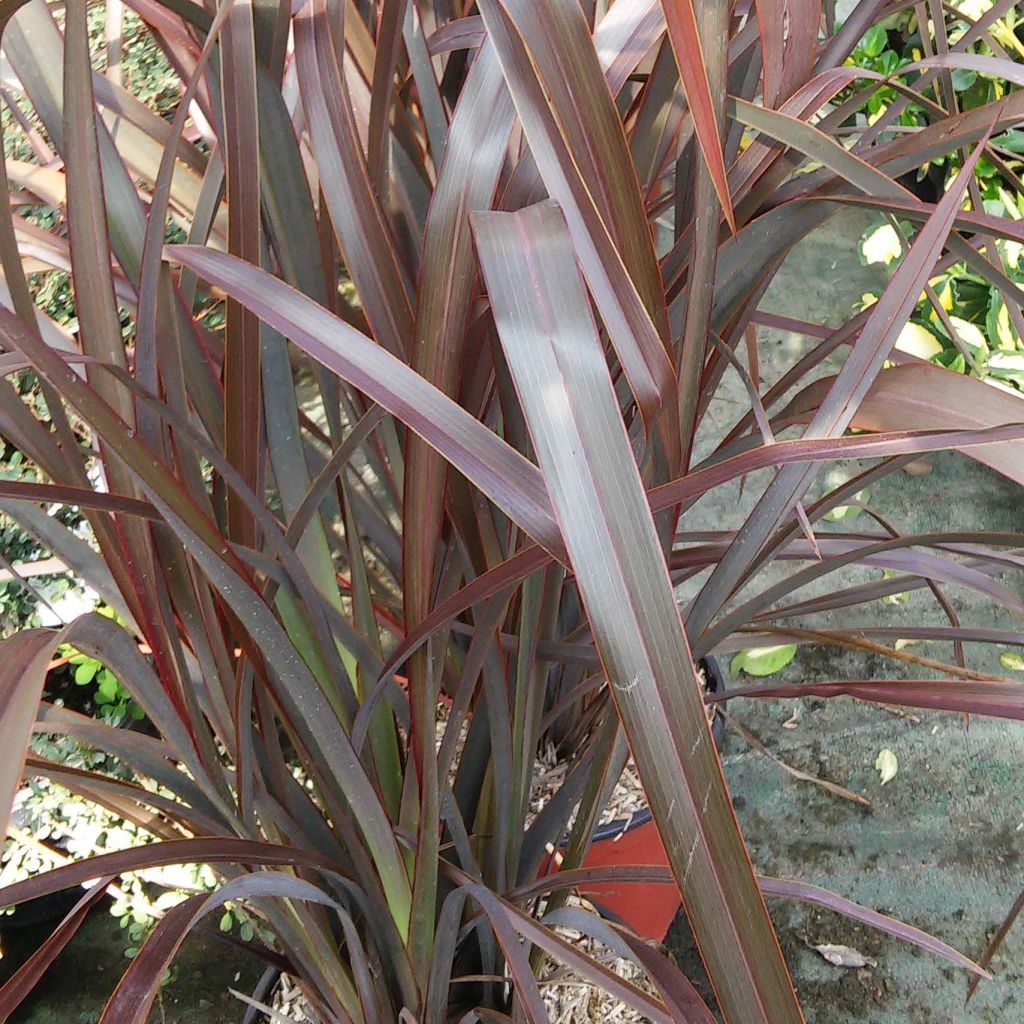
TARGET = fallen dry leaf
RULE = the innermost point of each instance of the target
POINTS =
(919, 467)
(844, 956)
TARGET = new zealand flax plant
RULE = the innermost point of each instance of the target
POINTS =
(400, 429)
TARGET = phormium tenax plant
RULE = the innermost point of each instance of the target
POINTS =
(393, 342)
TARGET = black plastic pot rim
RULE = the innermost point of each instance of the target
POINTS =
(613, 830)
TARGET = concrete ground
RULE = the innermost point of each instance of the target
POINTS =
(941, 844)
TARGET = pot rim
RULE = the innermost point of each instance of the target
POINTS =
(610, 831)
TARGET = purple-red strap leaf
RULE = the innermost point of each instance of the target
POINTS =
(24, 659)
(838, 408)
(513, 483)
(997, 940)
(20, 984)
(133, 997)
(205, 850)
(996, 698)
(629, 307)
(807, 893)
(515, 569)
(558, 365)
(787, 888)
(922, 396)
(681, 20)
(677, 991)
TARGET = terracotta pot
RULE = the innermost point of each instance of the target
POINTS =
(647, 908)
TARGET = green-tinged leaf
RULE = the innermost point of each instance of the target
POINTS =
(318, 722)
(763, 661)
(435, 116)
(569, 402)
(820, 147)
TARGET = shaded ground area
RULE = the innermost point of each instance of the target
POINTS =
(75, 989)
(942, 844)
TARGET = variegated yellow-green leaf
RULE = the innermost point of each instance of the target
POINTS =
(883, 245)
(1007, 364)
(918, 341)
(970, 334)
